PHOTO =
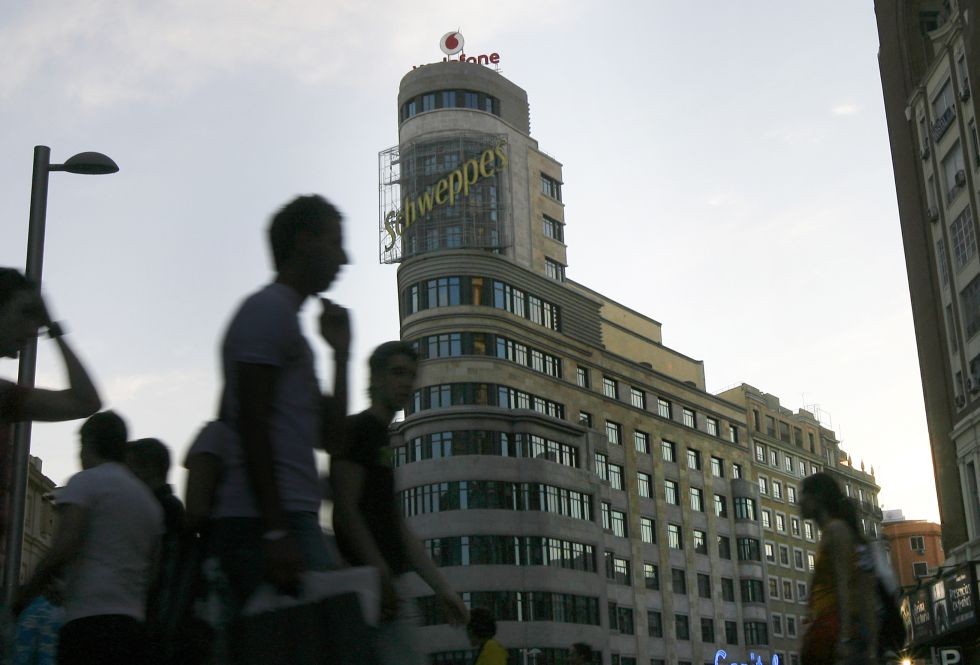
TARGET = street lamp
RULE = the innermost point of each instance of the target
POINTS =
(85, 163)
(533, 653)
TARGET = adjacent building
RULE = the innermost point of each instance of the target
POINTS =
(929, 55)
(915, 548)
(567, 468)
(39, 515)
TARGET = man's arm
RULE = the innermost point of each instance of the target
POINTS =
(335, 330)
(256, 391)
(452, 605)
(72, 521)
(203, 470)
(79, 400)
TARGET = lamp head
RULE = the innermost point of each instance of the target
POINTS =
(88, 163)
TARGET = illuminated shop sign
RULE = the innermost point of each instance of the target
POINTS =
(721, 659)
(446, 191)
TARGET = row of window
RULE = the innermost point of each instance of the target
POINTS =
(775, 457)
(785, 586)
(481, 394)
(542, 656)
(794, 525)
(495, 495)
(771, 550)
(451, 345)
(448, 99)
(665, 408)
(621, 620)
(521, 606)
(511, 551)
(485, 442)
(474, 290)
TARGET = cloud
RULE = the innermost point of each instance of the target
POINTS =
(845, 109)
(101, 53)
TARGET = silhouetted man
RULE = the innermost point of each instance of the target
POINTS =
(22, 314)
(580, 654)
(370, 529)
(105, 546)
(267, 505)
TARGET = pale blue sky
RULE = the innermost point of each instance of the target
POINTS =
(726, 168)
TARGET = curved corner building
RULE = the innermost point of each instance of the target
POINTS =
(565, 469)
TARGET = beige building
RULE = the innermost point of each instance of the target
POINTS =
(567, 468)
(39, 517)
(929, 54)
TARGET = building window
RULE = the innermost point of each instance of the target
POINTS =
(724, 547)
(648, 532)
(763, 485)
(748, 549)
(700, 541)
(554, 229)
(655, 624)
(717, 467)
(808, 530)
(744, 508)
(643, 484)
(801, 592)
(770, 428)
(752, 591)
(664, 408)
(770, 552)
(777, 625)
(810, 561)
(736, 471)
(670, 492)
(609, 387)
(917, 543)
(798, 558)
(953, 172)
(614, 433)
(777, 489)
(784, 556)
(618, 519)
(755, 633)
(962, 238)
(728, 589)
(651, 576)
(721, 506)
(774, 458)
(760, 454)
(920, 569)
(550, 187)
(641, 441)
(791, 626)
(733, 433)
(585, 419)
(554, 270)
(582, 377)
(601, 466)
(970, 306)
(707, 630)
(683, 629)
(791, 494)
(616, 476)
(674, 539)
(697, 499)
(668, 450)
(621, 571)
(712, 426)
(788, 463)
(678, 581)
(780, 522)
(689, 417)
(731, 632)
(787, 590)
(606, 520)
(693, 459)
(638, 398)
(794, 527)
(766, 518)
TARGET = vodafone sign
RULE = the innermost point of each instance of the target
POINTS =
(451, 43)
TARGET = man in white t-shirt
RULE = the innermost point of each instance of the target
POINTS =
(266, 507)
(105, 548)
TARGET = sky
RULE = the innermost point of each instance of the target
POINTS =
(726, 172)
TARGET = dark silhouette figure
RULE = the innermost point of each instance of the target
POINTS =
(843, 624)
(266, 506)
(22, 314)
(105, 547)
(481, 630)
(149, 460)
(580, 654)
(370, 529)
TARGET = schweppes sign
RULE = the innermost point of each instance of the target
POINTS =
(446, 191)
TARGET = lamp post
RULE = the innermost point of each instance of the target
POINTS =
(85, 163)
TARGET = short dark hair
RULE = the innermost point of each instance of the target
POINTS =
(106, 432)
(151, 453)
(378, 362)
(482, 624)
(827, 493)
(584, 650)
(12, 281)
(309, 214)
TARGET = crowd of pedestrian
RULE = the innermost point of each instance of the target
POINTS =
(134, 575)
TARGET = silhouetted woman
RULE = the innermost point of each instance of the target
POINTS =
(481, 630)
(843, 615)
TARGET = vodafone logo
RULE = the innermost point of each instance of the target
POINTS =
(451, 43)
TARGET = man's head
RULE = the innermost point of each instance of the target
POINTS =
(103, 439)
(149, 460)
(21, 311)
(482, 626)
(307, 243)
(392, 366)
(580, 654)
